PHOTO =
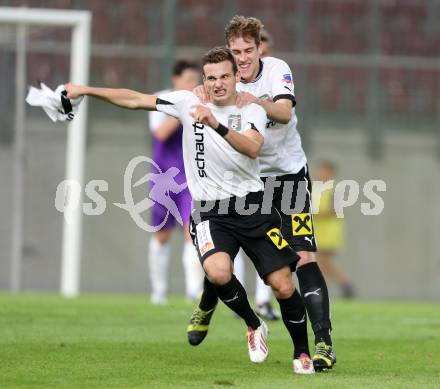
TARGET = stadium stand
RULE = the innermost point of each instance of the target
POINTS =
(330, 27)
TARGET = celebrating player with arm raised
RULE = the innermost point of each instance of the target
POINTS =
(221, 142)
(268, 82)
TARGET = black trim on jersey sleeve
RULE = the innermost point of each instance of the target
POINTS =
(163, 102)
(253, 127)
(286, 97)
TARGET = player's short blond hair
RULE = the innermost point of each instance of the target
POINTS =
(244, 27)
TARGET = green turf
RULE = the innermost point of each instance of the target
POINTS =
(124, 342)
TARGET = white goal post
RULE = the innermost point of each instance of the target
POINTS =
(80, 21)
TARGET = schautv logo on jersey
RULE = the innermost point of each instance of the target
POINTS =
(199, 158)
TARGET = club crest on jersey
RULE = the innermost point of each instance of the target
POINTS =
(234, 122)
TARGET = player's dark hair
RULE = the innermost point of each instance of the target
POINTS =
(219, 54)
(244, 27)
(182, 65)
(266, 37)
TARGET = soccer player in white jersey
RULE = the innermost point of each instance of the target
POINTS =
(220, 145)
(263, 292)
(268, 82)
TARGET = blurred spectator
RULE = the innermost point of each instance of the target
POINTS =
(167, 153)
(266, 44)
(329, 231)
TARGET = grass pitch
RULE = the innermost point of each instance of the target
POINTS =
(124, 342)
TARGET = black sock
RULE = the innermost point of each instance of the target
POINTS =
(235, 297)
(315, 296)
(295, 319)
(209, 297)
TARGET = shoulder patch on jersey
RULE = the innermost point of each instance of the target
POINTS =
(288, 81)
(287, 78)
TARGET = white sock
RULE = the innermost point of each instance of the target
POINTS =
(158, 260)
(193, 271)
(240, 268)
(262, 291)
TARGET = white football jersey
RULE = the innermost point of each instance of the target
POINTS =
(282, 152)
(213, 168)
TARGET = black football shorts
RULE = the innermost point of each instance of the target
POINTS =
(292, 199)
(258, 234)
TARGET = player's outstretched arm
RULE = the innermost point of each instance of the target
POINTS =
(125, 98)
(248, 143)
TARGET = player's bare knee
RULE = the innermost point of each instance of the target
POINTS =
(218, 268)
(285, 291)
(305, 257)
(282, 287)
(282, 290)
(218, 277)
(217, 274)
(281, 282)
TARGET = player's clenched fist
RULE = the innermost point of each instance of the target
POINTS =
(204, 115)
(73, 91)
